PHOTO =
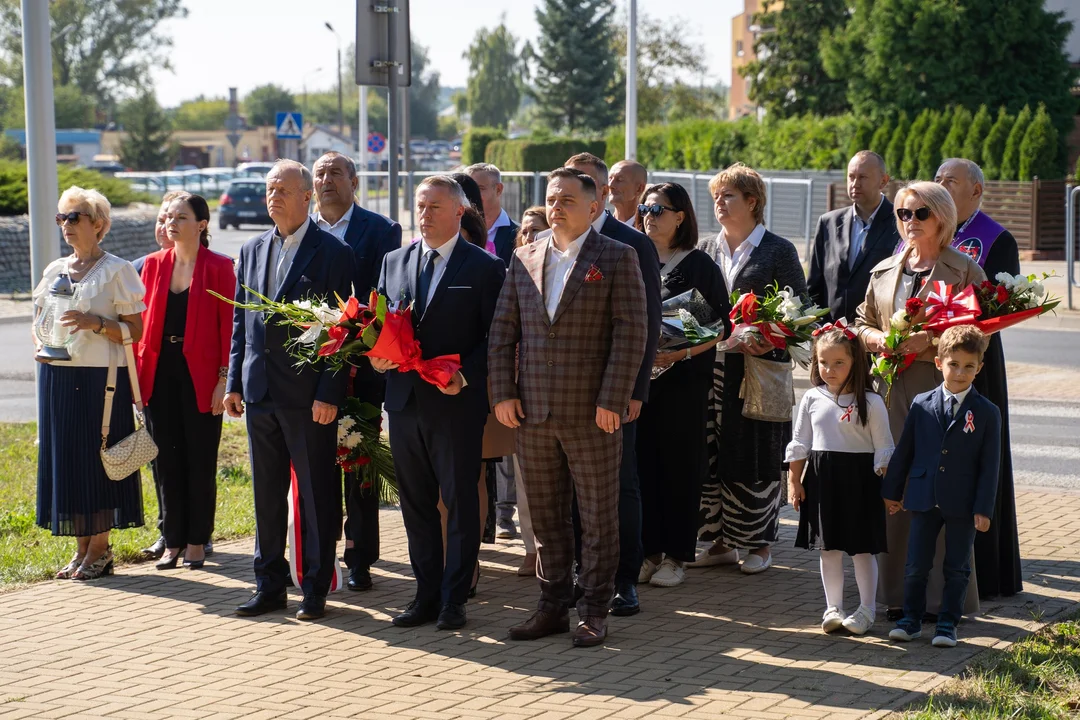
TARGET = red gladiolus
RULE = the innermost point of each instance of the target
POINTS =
(913, 306)
(1002, 294)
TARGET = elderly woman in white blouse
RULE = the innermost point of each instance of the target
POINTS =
(75, 496)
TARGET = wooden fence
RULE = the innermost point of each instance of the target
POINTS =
(1034, 212)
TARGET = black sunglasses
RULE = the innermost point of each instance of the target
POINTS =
(656, 210)
(905, 215)
(72, 217)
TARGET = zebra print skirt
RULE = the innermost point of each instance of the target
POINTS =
(741, 498)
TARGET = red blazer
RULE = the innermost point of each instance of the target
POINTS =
(208, 330)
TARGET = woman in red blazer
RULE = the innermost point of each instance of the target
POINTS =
(182, 359)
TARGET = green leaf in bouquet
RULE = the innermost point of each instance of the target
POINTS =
(380, 309)
(353, 347)
(369, 336)
(367, 411)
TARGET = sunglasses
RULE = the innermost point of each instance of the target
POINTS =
(71, 217)
(905, 214)
(655, 210)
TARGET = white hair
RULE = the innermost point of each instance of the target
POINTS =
(487, 168)
(98, 206)
(975, 173)
(306, 181)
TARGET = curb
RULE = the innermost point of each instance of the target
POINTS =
(15, 319)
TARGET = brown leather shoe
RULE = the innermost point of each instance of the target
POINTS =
(541, 624)
(590, 632)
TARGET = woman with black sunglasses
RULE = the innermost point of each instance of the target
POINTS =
(75, 496)
(671, 450)
(926, 219)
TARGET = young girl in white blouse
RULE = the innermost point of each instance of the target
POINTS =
(842, 441)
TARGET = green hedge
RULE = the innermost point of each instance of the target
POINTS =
(525, 155)
(13, 186)
(474, 144)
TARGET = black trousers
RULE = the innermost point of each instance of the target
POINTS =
(276, 438)
(186, 464)
(362, 506)
(439, 453)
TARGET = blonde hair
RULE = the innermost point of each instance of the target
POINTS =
(98, 206)
(941, 206)
(746, 180)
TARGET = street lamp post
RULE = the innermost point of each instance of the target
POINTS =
(340, 112)
(631, 82)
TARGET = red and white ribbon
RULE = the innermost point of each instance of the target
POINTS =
(296, 543)
(840, 324)
(846, 417)
(969, 422)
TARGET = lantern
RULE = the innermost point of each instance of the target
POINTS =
(53, 336)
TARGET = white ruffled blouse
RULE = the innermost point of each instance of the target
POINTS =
(828, 423)
(111, 288)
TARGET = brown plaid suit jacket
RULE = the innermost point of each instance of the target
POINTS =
(590, 354)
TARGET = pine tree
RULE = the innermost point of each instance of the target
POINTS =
(909, 166)
(496, 77)
(575, 68)
(994, 146)
(930, 152)
(894, 153)
(1010, 161)
(976, 136)
(954, 141)
(147, 146)
(860, 139)
(1039, 150)
(879, 141)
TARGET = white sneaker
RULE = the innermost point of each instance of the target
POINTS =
(648, 569)
(859, 621)
(832, 620)
(709, 558)
(755, 563)
(669, 574)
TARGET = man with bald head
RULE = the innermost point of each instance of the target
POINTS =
(291, 410)
(627, 181)
(852, 240)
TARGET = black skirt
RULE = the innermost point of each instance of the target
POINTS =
(843, 509)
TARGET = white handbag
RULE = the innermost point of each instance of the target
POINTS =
(138, 448)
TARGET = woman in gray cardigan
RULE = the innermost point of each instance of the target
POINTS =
(740, 502)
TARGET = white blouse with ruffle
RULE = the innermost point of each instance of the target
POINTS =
(111, 288)
(828, 423)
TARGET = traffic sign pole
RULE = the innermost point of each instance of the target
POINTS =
(362, 141)
(392, 119)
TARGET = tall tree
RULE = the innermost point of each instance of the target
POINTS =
(788, 77)
(497, 76)
(71, 108)
(930, 151)
(953, 146)
(263, 104)
(1039, 150)
(994, 145)
(575, 68)
(1010, 161)
(894, 153)
(423, 96)
(201, 114)
(890, 55)
(860, 138)
(909, 166)
(102, 47)
(976, 136)
(147, 146)
(879, 141)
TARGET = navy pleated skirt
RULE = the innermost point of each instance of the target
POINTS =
(75, 496)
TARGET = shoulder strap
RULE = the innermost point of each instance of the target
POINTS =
(672, 263)
(110, 381)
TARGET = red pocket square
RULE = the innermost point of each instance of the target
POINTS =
(594, 274)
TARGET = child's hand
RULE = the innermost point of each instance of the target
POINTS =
(982, 523)
(893, 506)
(796, 493)
(881, 471)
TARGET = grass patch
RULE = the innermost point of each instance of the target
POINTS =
(29, 553)
(1037, 678)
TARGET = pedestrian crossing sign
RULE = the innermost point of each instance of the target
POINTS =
(289, 125)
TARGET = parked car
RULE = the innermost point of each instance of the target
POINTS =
(244, 202)
(253, 169)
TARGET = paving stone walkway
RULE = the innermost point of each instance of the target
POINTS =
(149, 644)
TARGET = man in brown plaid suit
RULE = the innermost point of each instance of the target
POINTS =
(575, 303)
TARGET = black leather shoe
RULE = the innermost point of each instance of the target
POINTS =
(416, 614)
(263, 602)
(894, 614)
(312, 607)
(155, 551)
(360, 578)
(451, 617)
(208, 548)
(625, 601)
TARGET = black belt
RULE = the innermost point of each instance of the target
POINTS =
(174, 338)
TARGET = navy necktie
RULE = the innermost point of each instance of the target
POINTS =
(950, 407)
(427, 272)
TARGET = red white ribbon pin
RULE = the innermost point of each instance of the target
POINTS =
(969, 422)
(846, 417)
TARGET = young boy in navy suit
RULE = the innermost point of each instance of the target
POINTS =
(948, 457)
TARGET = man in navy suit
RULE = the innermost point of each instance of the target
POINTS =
(436, 433)
(371, 236)
(948, 456)
(291, 412)
(631, 552)
(502, 230)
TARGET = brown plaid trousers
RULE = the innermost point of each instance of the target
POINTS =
(588, 356)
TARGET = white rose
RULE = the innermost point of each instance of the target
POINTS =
(1005, 279)
(1038, 289)
(899, 320)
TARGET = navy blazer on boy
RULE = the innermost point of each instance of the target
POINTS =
(950, 463)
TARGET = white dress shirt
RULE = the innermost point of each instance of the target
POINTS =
(731, 264)
(282, 252)
(957, 397)
(337, 229)
(557, 268)
(599, 222)
(441, 258)
(859, 230)
(502, 221)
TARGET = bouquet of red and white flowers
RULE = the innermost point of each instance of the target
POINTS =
(784, 319)
(361, 449)
(995, 306)
(902, 325)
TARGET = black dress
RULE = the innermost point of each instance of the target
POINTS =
(671, 451)
(997, 551)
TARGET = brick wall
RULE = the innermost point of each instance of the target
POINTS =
(131, 236)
